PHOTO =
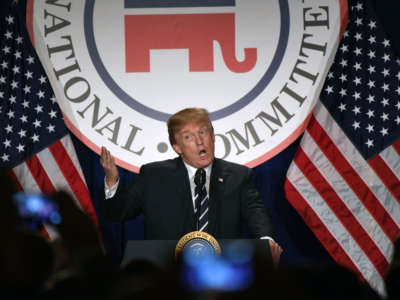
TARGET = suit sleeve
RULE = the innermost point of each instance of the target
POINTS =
(254, 210)
(127, 203)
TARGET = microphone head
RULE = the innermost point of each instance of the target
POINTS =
(200, 177)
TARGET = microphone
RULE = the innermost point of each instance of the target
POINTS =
(199, 180)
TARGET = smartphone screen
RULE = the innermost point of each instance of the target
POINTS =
(37, 209)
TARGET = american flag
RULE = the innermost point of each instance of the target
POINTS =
(344, 180)
(35, 147)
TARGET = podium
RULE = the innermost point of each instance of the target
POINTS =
(162, 252)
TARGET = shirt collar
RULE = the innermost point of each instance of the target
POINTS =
(192, 170)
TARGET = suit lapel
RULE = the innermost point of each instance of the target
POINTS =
(217, 188)
(185, 195)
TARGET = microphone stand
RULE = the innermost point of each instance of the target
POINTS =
(199, 180)
(198, 215)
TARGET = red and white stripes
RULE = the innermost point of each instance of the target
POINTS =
(55, 168)
(351, 205)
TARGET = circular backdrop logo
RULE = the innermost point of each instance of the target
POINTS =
(120, 70)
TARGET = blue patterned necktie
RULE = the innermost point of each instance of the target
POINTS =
(201, 200)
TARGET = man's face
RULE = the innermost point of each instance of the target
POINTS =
(195, 144)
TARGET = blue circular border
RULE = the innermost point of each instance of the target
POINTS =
(161, 116)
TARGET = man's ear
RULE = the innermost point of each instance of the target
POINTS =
(177, 149)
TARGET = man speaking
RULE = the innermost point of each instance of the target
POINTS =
(194, 191)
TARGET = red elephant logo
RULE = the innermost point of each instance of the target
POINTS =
(195, 32)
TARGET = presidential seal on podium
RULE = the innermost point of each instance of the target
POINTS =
(198, 243)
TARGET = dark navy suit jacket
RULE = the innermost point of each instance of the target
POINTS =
(162, 193)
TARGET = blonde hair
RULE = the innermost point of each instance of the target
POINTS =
(185, 116)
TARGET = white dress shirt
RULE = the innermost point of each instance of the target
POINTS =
(191, 172)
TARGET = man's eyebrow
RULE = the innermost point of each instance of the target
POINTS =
(189, 131)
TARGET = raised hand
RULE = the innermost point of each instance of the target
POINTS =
(276, 252)
(108, 163)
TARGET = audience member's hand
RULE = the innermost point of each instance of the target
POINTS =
(108, 163)
(276, 252)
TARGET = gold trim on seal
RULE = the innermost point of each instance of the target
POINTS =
(197, 235)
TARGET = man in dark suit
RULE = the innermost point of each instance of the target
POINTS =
(166, 193)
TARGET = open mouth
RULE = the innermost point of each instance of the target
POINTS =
(202, 152)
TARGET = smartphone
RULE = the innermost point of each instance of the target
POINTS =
(37, 209)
